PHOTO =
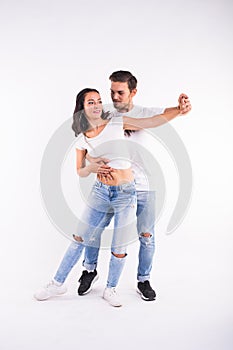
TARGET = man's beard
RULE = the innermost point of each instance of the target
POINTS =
(121, 107)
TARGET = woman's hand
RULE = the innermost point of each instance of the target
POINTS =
(99, 160)
(99, 166)
(99, 169)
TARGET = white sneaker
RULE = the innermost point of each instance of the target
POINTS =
(111, 296)
(50, 290)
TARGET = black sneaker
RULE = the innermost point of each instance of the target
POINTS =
(145, 290)
(86, 281)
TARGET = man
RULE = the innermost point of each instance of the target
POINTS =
(123, 90)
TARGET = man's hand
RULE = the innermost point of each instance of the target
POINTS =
(184, 104)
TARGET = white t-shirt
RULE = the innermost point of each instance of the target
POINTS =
(109, 143)
(141, 141)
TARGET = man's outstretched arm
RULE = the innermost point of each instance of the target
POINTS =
(184, 105)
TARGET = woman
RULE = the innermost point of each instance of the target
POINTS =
(109, 196)
(115, 196)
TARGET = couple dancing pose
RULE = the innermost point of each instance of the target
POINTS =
(119, 191)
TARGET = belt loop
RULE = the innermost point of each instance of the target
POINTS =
(98, 183)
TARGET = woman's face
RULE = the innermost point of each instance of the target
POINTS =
(93, 106)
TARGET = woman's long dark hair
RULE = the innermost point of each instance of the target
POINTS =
(80, 121)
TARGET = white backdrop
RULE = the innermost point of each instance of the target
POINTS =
(50, 51)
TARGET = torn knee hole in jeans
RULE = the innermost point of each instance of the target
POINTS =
(145, 234)
(119, 255)
(78, 239)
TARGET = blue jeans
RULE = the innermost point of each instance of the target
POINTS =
(104, 202)
(145, 224)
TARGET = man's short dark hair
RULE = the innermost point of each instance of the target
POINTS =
(124, 76)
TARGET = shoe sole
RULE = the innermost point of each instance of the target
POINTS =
(119, 305)
(50, 296)
(145, 298)
(87, 291)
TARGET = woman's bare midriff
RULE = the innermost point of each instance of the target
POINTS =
(119, 177)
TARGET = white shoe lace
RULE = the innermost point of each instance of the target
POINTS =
(113, 292)
(49, 284)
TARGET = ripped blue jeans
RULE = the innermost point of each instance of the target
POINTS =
(104, 202)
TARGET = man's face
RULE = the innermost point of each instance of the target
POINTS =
(122, 96)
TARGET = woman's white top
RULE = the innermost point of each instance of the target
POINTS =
(109, 143)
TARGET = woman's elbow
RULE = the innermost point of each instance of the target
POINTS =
(81, 172)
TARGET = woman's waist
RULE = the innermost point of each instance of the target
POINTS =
(123, 186)
(117, 177)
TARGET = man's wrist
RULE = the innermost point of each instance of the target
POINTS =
(179, 110)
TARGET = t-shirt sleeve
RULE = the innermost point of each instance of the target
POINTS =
(80, 143)
(149, 112)
(117, 120)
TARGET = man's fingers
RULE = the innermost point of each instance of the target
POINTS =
(105, 177)
(105, 170)
(108, 177)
